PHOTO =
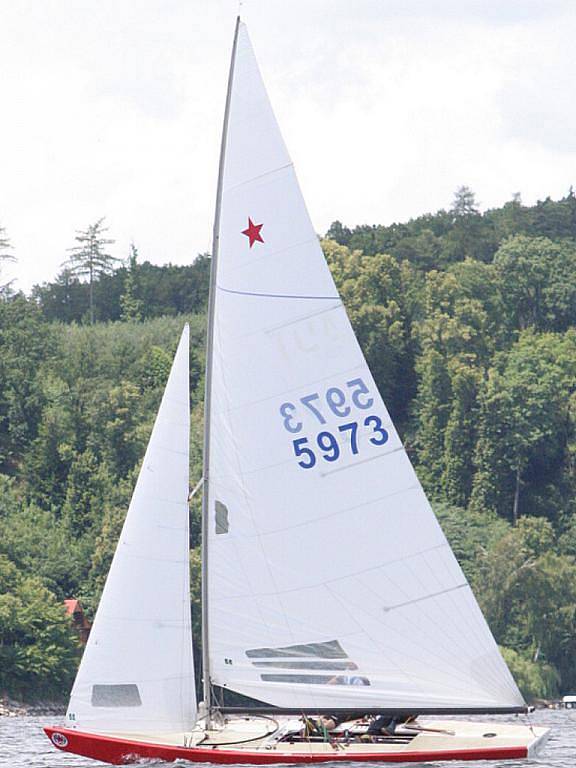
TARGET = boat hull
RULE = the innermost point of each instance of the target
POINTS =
(121, 751)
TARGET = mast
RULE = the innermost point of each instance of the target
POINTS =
(208, 390)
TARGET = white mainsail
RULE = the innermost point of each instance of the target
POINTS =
(330, 582)
(137, 674)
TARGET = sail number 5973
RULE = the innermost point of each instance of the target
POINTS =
(328, 444)
(334, 401)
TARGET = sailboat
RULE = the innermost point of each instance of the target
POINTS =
(331, 596)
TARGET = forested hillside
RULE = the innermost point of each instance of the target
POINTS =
(468, 321)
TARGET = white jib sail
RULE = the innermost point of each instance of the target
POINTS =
(137, 674)
(331, 583)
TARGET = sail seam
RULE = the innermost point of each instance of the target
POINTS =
(171, 450)
(132, 556)
(241, 184)
(269, 255)
(171, 527)
(345, 511)
(353, 575)
(270, 330)
(279, 295)
(245, 473)
(308, 316)
(284, 392)
(163, 500)
(382, 455)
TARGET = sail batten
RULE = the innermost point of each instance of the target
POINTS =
(320, 538)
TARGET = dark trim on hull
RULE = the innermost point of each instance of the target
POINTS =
(123, 751)
(356, 713)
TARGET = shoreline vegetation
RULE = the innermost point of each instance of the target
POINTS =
(468, 322)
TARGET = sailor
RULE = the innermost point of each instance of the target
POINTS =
(386, 725)
(329, 722)
(320, 726)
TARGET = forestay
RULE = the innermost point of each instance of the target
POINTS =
(331, 583)
(137, 674)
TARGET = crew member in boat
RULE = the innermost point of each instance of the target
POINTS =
(320, 726)
(386, 725)
(382, 725)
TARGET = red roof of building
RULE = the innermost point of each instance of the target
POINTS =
(72, 605)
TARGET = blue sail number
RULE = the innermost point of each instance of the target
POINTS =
(329, 447)
(336, 400)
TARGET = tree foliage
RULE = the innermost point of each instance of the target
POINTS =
(6, 254)
(467, 319)
(130, 300)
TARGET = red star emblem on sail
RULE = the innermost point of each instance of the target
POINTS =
(253, 232)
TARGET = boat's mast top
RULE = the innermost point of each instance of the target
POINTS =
(208, 386)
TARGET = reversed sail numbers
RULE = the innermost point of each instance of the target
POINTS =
(328, 445)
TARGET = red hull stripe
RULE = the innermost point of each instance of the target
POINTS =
(120, 752)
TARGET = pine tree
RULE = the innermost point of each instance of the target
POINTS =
(89, 258)
(464, 202)
(5, 254)
(471, 234)
(129, 301)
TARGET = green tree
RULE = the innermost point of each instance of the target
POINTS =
(472, 535)
(129, 301)
(52, 452)
(461, 434)
(536, 680)
(528, 595)
(25, 342)
(433, 410)
(538, 279)
(38, 650)
(34, 539)
(464, 203)
(124, 433)
(454, 337)
(5, 251)
(424, 250)
(471, 234)
(89, 258)
(65, 299)
(524, 419)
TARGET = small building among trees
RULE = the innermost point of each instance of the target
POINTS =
(79, 620)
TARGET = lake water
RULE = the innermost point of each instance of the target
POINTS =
(24, 745)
